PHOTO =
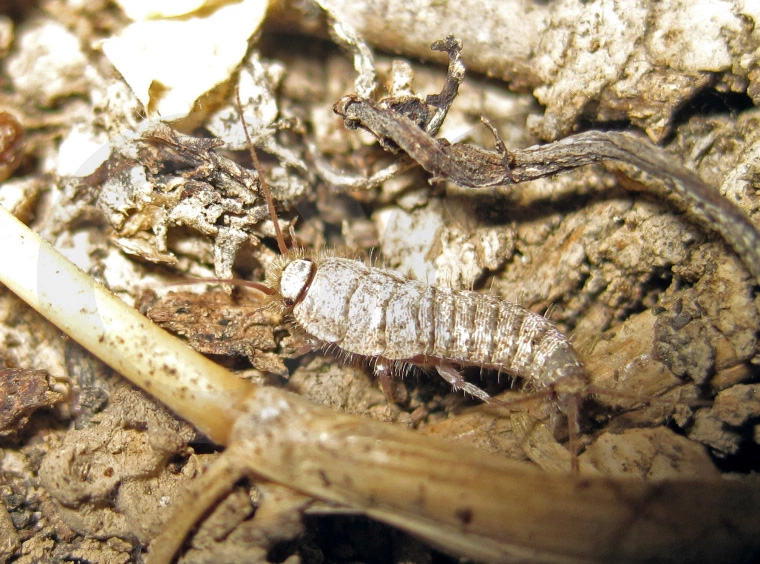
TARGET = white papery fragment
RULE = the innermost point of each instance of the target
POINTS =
(141, 10)
(170, 63)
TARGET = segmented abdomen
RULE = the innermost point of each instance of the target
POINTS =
(376, 312)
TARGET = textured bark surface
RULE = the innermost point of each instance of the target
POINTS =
(607, 60)
(661, 310)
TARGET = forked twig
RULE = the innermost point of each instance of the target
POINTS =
(401, 124)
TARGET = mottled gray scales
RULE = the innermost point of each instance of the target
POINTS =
(444, 309)
(559, 360)
(324, 308)
(529, 340)
(404, 335)
(464, 325)
(486, 318)
(508, 326)
(366, 327)
(427, 320)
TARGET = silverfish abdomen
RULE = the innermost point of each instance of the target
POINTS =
(376, 312)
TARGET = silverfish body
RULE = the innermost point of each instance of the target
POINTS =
(393, 322)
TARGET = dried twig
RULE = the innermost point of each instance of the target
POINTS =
(470, 166)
